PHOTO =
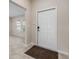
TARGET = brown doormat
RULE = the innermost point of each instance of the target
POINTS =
(41, 53)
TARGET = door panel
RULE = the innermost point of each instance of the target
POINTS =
(47, 34)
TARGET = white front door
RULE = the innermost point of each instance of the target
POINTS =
(47, 34)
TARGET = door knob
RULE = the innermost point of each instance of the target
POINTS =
(38, 28)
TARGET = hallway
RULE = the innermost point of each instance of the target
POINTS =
(41, 23)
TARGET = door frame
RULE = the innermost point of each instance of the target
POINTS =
(37, 24)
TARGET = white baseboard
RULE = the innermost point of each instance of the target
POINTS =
(63, 52)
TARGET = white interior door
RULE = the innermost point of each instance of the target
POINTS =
(47, 34)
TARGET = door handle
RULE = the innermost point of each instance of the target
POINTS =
(38, 28)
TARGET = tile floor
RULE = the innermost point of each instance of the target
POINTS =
(17, 49)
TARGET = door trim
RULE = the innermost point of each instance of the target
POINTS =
(46, 10)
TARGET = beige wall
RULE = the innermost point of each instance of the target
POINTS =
(62, 14)
(26, 4)
(63, 25)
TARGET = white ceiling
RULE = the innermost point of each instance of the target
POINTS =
(15, 10)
